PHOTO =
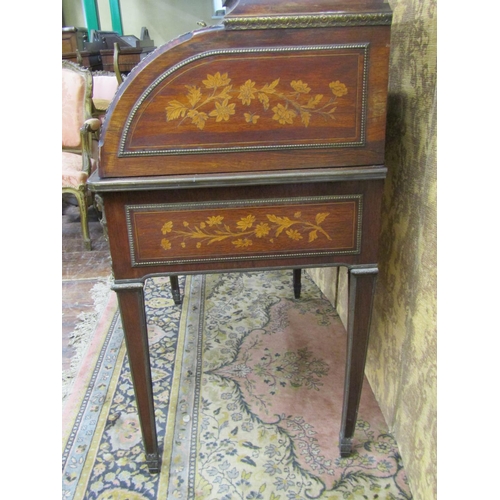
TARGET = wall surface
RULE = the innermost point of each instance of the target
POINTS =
(402, 357)
(401, 365)
(165, 20)
(73, 13)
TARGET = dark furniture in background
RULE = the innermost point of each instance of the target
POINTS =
(97, 50)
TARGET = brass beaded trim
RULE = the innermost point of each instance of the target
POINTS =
(307, 21)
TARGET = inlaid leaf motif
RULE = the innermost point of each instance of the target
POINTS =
(305, 116)
(314, 101)
(175, 110)
(198, 118)
(321, 217)
(264, 99)
(270, 88)
(194, 94)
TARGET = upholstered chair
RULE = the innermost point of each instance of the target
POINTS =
(78, 128)
(104, 87)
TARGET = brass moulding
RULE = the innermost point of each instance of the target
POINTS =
(100, 185)
(127, 285)
(315, 21)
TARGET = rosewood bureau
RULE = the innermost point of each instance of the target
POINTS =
(256, 144)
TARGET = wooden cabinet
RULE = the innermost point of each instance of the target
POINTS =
(73, 39)
(268, 133)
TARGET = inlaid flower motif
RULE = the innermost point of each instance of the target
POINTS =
(242, 243)
(338, 89)
(167, 227)
(213, 230)
(223, 111)
(247, 92)
(300, 86)
(246, 222)
(213, 101)
(215, 220)
(217, 80)
(293, 234)
(283, 115)
(262, 229)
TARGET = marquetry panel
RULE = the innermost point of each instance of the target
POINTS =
(253, 99)
(239, 230)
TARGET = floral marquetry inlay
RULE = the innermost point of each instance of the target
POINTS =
(253, 229)
(285, 103)
(213, 230)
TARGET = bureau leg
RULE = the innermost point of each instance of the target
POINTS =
(176, 293)
(133, 315)
(297, 282)
(361, 289)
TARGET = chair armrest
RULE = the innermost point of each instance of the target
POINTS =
(91, 125)
(89, 129)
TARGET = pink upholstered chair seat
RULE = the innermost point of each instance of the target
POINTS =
(104, 89)
(72, 173)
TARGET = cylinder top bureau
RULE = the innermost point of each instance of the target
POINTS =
(254, 144)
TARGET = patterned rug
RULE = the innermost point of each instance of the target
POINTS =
(248, 394)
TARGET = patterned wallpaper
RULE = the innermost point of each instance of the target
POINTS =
(401, 365)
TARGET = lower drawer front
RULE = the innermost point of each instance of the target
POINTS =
(239, 230)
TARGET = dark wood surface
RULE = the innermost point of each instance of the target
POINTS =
(245, 102)
(184, 111)
(127, 59)
(240, 258)
(81, 270)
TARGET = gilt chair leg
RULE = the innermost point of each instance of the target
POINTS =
(81, 198)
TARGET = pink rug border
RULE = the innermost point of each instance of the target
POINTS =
(74, 400)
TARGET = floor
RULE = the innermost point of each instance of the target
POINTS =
(81, 269)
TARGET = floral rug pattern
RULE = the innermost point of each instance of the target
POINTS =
(248, 394)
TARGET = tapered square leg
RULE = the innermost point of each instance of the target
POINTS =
(133, 315)
(361, 290)
(176, 293)
(297, 282)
